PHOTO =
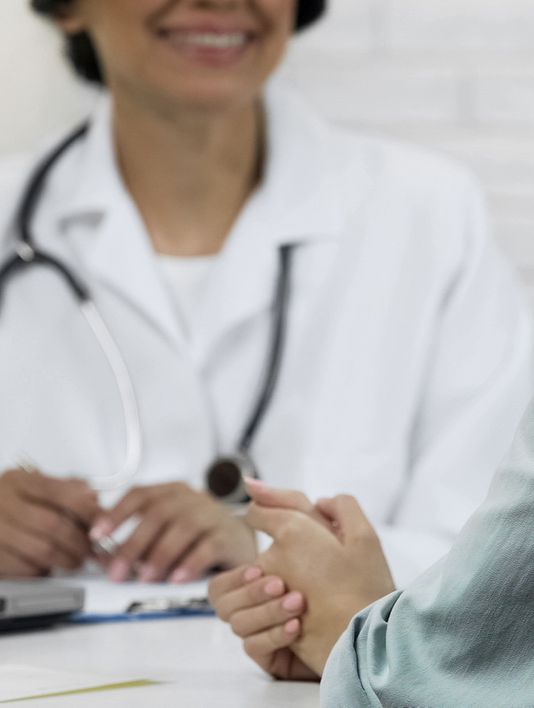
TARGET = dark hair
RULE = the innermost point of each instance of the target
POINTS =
(82, 54)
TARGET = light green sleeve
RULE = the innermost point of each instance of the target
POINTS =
(462, 635)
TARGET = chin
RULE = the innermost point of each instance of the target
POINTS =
(216, 99)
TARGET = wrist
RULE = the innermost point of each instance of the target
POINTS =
(335, 621)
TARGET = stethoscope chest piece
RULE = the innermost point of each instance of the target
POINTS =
(225, 477)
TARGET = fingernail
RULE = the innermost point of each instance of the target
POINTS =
(252, 573)
(292, 627)
(182, 575)
(274, 587)
(101, 528)
(253, 482)
(119, 570)
(147, 574)
(292, 602)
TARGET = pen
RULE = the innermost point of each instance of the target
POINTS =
(105, 546)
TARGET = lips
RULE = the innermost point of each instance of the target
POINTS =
(207, 39)
(211, 46)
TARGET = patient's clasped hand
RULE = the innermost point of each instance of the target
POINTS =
(324, 566)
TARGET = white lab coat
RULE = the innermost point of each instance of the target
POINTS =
(407, 364)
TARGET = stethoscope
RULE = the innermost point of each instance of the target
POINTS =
(225, 476)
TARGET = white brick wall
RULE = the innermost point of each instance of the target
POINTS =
(457, 75)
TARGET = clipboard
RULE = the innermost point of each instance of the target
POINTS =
(150, 609)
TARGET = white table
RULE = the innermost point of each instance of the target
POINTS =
(200, 661)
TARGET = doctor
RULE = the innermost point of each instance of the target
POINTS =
(327, 306)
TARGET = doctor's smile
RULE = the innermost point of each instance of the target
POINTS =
(212, 43)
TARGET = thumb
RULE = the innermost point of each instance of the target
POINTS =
(347, 517)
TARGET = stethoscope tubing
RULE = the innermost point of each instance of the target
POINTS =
(28, 255)
(276, 350)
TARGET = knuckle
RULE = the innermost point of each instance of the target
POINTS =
(214, 590)
(131, 550)
(140, 497)
(179, 537)
(345, 498)
(68, 562)
(202, 558)
(182, 533)
(275, 612)
(250, 647)
(46, 551)
(49, 522)
(88, 504)
(213, 547)
(157, 513)
(191, 526)
(170, 507)
(273, 638)
(345, 501)
(370, 534)
(365, 536)
(11, 481)
(366, 532)
(136, 495)
(220, 608)
(198, 564)
(300, 499)
(289, 531)
(255, 593)
(75, 485)
(163, 555)
(132, 547)
(237, 623)
(10, 475)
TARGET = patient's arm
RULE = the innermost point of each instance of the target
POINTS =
(463, 633)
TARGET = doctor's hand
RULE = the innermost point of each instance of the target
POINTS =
(44, 523)
(181, 535)
(338, 570)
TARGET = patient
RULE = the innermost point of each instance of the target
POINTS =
(460, 635)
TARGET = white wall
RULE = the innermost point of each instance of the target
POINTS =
(38, 96)
(454, 74)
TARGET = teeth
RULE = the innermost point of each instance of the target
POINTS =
(215, 41)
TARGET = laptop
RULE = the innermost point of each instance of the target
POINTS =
(34, 604)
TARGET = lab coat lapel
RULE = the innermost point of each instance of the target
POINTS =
(241, 285)
(117, 253)
(123, 260)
